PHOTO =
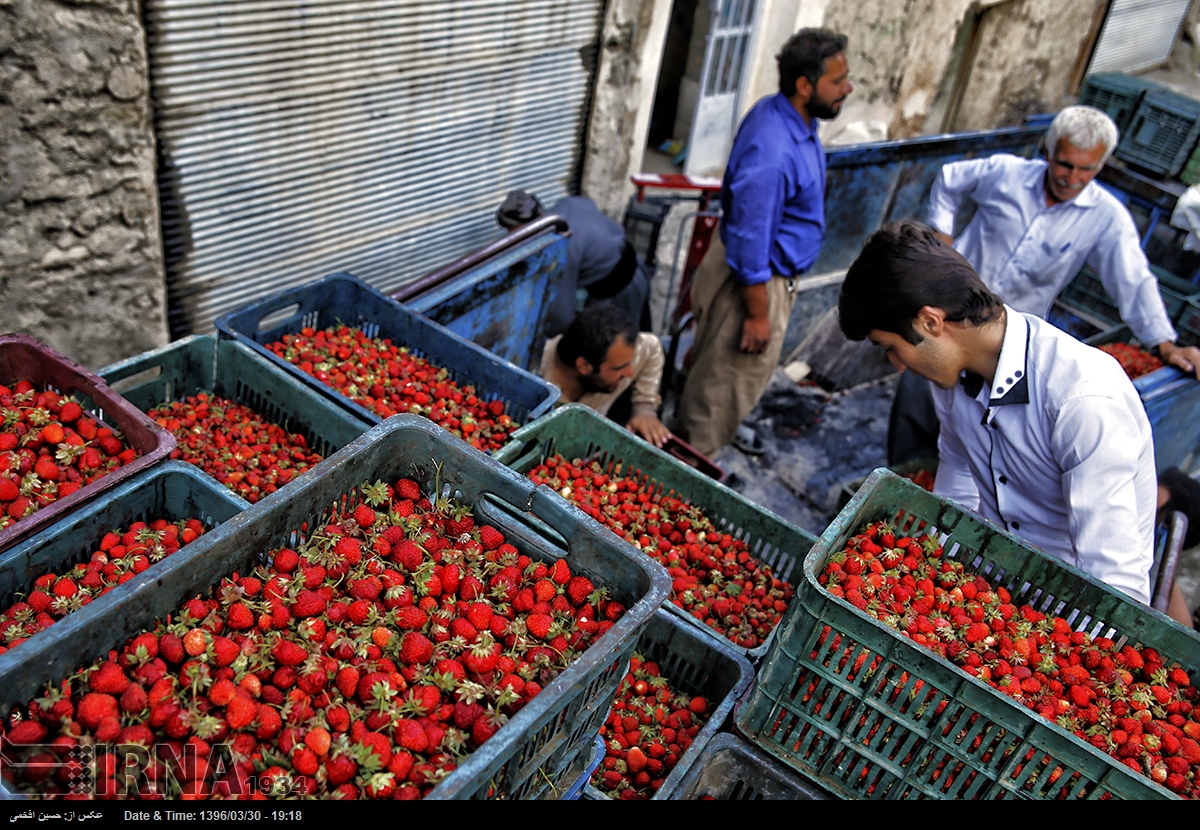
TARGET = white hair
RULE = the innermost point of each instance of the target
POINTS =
(1085, 127)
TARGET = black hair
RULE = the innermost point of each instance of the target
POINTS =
(518, 208)
(903, 267)
(804, 55)
(592, 333)
(1185, 497)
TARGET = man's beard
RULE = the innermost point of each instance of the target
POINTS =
(824, 111)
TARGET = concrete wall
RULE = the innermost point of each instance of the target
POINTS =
(630, 52)
(1028, 52)
(80, 251)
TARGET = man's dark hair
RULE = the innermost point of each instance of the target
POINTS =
(518, 208)
(804, 56)
(903, 267)
(1184, 495)
(592, 333)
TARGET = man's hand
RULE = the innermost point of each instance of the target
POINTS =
(756, 328)
(1186, 358)
(945, 237)
(650, 428)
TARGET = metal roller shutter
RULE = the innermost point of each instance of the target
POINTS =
(1138, 34)
(300, 138)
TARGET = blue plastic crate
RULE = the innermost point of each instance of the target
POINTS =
(501, 304)
(342, 299)
(1172, 402)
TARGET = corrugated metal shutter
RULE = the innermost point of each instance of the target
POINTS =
(1138, 34)
(300, 138)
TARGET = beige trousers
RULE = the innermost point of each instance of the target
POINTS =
(724, 383)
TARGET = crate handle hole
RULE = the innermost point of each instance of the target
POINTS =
(145, 376)
(278, 317)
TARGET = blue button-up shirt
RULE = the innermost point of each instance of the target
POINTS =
(773, 194)
(1027, 252)
(1057, 451)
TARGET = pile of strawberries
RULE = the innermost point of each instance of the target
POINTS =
(648, 729)
(118, 559)
(389, 380)
(49, 448)
(367, 663)
(923, 478)
(1129, 702)
(234, 444)
(1135, 361)
(715, 579)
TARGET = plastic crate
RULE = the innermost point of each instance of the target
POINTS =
(532, 755)
(1086, 293)
(24, 358)
(729, 769)
(876, 734)
(1188, 324)
(575, 431)
(1078, 324)
(1171, 399)
(171, 490)
(1116, 94)
(200, 363)
(575, 791)
(1161, 133)
(342, 299)
(695, 664)
(514, 287)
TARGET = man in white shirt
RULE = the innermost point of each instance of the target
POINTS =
(1040, 433)
(1037, 223)
(599, 357)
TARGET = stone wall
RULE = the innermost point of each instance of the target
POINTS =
(80, 252)
(630, 52)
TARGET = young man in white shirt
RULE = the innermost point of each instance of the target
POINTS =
(1037, 223)
(1040, 433)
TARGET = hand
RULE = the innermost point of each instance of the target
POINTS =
(1186, 358)
(945, 237)
(650, 428)
(756, 334)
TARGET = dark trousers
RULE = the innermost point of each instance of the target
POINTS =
(913, 426)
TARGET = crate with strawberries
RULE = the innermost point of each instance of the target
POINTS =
(930, 654)
(404, 637)
(729, 559)
(65, 438)
(234, 416)
(375, 358)
(676, 696)
(85, 559)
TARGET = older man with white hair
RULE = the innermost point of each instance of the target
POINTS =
(1037, 223)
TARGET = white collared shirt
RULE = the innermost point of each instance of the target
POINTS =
(1058, 451)
(1027, 252)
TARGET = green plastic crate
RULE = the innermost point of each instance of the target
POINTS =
(226, 368)
(574, 431)
(1086, 293)
(1188, 324)
(695, 664)
(729, 769)
(534, 755)
(877, 734)
(171, 490)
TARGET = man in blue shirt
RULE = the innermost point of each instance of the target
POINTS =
(773, 204)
